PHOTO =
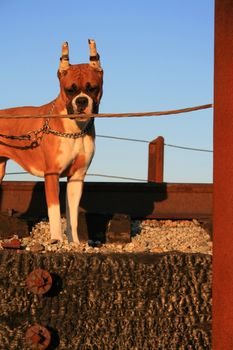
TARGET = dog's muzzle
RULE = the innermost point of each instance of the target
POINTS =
(81, 103)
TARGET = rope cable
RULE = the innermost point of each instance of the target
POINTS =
(117, 115)
(189, 148)
(111, 115)
(145, 141)
(122, 138)
(97, 175)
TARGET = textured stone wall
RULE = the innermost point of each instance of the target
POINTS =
(117, 301)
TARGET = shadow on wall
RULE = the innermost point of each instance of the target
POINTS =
(100, 201)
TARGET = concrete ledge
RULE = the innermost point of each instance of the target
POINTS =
(117, 301)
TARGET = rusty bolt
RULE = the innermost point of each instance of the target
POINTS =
(39, 281)
(38, 337)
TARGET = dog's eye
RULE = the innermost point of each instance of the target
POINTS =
(72, 90)
(91, 89)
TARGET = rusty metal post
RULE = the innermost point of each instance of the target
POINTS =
(223, 178)
(156, 160)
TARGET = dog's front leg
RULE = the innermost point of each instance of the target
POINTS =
(73, 195)
(53, 204)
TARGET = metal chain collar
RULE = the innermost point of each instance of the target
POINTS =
(32, 135)
(74, 135)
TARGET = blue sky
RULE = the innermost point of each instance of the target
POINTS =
(156, 55)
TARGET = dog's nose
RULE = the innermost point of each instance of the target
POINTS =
(81, 102)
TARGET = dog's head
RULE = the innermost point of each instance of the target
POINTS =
(81, 84)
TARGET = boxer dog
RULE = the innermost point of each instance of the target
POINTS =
(58, 147)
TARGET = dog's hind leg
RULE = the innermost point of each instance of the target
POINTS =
(53, 204)
(2, 168)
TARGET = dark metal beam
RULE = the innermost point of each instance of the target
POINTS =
(139, 200)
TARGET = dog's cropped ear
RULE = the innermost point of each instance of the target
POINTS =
(64, 60)
(94, 56)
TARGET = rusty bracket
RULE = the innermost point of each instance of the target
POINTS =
(119, 228)
(38, 337)
(39, 281)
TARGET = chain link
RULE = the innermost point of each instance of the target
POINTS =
(32, 135)
(12, 137)
(74, 135)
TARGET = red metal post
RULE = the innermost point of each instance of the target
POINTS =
(223, 178)
(156, 160)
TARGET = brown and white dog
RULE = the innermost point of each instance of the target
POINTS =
(53, 148)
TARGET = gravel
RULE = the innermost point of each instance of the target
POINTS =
(154, 236)
(167, 235)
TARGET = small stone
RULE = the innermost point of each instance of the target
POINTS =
(12, 244)
(196, 222)
(156, 250)
(53, 248)
(91, 243)
(36, 248)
